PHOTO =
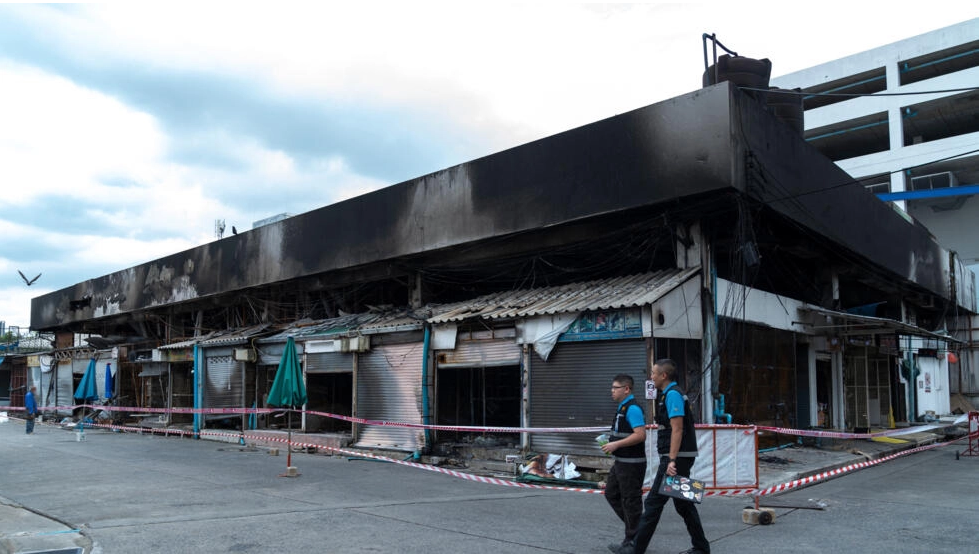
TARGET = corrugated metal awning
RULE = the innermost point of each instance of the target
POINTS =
(187, 343)
(610, 293)
(851, 324)
(237, 336)
(373, 322)
(396, 321)
(221, 338)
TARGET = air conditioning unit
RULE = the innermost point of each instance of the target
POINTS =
(357, 343)
(245, 354)
(941, 180)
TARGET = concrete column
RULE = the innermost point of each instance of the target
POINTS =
(895, 130)
(415, 290)
(709, 341)
(839, 400)
(689, 245)
(525, 398)
(813, 400)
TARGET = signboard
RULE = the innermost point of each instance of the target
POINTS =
(604, 325)
(181, 355)
(887, 344)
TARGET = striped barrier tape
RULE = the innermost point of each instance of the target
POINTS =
(756, 493)
(354, 453)
(850, 435)
(812, 479)
(502, 430)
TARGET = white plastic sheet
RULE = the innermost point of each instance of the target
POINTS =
(727, 457)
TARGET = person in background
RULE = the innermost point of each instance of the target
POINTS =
(31, 405)
(627, 443)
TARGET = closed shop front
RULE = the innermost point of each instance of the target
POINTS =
(573, 389)
(224, 382)
(63, 392)
(389, 388)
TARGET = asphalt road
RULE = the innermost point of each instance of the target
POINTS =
(151, 494)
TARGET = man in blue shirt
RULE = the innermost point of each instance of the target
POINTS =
(31, 404)
(627, 443)
(676, 442)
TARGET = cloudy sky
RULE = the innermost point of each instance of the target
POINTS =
(127, 129)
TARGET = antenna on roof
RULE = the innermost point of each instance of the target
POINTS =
(219, 228)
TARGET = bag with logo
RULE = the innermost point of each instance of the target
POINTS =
(683, 488)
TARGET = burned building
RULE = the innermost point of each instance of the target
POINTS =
(508, 290)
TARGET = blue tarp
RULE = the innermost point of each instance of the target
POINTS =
(109, 383)
(87, 389)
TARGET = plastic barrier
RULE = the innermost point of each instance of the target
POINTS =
(973, 449)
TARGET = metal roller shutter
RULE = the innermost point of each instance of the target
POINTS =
(79, 366)
(480, 353)
(271, 354)
(329, 362)
(222, 380)
(64, 388)
(389, 388)
(572, 389)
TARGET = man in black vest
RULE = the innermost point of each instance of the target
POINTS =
(627, 443)
(676, 442)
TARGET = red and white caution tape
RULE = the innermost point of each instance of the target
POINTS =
(812, 479)
(499, 430)
(757, 493)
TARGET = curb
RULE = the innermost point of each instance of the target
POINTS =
(41, 533)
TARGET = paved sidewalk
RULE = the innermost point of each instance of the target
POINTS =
(798, 462)
(25, 531)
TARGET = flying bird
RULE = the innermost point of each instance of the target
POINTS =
(26, 281)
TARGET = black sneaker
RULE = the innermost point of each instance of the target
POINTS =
(624, 548)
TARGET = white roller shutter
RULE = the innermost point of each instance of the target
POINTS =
(389, 388)
(64, 391)
(223, 385)
(480, 353)
(335, 362)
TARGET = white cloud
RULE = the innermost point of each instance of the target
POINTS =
(503, 73)
(16, 305)
(59, 137)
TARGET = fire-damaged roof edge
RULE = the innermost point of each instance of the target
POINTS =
(708, 142)
(615, 293)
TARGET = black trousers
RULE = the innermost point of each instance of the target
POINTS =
(623, 490)
(655, 503)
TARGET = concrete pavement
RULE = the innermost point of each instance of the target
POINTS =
(36, 517)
